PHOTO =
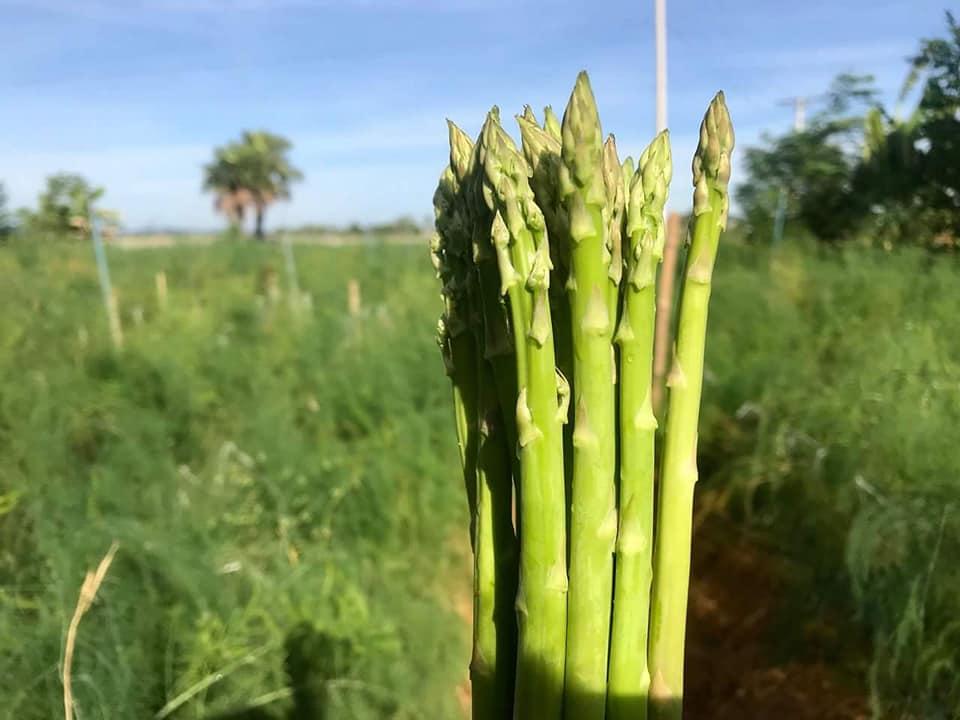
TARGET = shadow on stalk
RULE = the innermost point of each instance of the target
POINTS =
(314, 659)
(592, 706)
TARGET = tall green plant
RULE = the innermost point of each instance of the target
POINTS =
(678, 475)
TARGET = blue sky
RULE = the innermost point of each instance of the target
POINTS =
(135, 94)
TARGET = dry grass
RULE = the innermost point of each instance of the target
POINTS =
(88, 592)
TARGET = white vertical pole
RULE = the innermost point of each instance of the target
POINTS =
(667, 276)
(160, 280)
(109, 296)
(660, 23)
(799, 114)
(780, 215)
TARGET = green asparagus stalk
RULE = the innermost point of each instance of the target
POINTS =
(628, 169)
(711, 175)
(497, 345)
(457, 344)
(615, 208)
(493, 666)
(593, 518)
(629, 680)
(542, 151)
(494, 541)
(529, 116)
(523, 253)
(551, 123)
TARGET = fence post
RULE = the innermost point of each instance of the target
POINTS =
(160, 280)
(290, 262)
(663, 340)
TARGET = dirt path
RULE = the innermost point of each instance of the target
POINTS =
(737, 665)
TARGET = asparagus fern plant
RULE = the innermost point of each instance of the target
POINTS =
(548, 257)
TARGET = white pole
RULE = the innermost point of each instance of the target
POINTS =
(665, 283)
(799, 114)
(660, 22)
(109, 296)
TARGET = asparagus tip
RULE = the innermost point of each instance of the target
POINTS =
(582, 139)
(711, 162)
(461, 148)
(550, 122)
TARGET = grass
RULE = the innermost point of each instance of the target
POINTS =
(259, 470)
(833, 399)
(285, 493)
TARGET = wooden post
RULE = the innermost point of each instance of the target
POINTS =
(160, 280)
(290, 263)
(663, 340)
(353, 297)
(113, 316)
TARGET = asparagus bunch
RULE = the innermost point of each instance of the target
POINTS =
(548, 257)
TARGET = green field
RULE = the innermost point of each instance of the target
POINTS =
(283, 483)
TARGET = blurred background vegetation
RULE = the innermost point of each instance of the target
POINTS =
(262, 466)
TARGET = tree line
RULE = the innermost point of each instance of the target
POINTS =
(246, 176)
(861, 172)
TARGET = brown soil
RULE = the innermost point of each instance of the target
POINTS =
(460, 600)
(737, 667)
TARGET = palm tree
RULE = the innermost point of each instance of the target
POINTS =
(223, 176)
(252, 172)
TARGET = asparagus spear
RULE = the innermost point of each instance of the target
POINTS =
(593, 519)
(616, 205)
(629, 680)
(497, 345)
(551, 123)
(453, 335)
(495, 553)
(542, 151)
(628, 171)
(711, 175)
(493, 666)
(523, 253)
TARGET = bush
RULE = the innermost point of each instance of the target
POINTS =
(832, 396)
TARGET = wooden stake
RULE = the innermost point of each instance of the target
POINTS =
(113, 316)
(293, 281)
(353, 297)
(663, 342)
(160, 280)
